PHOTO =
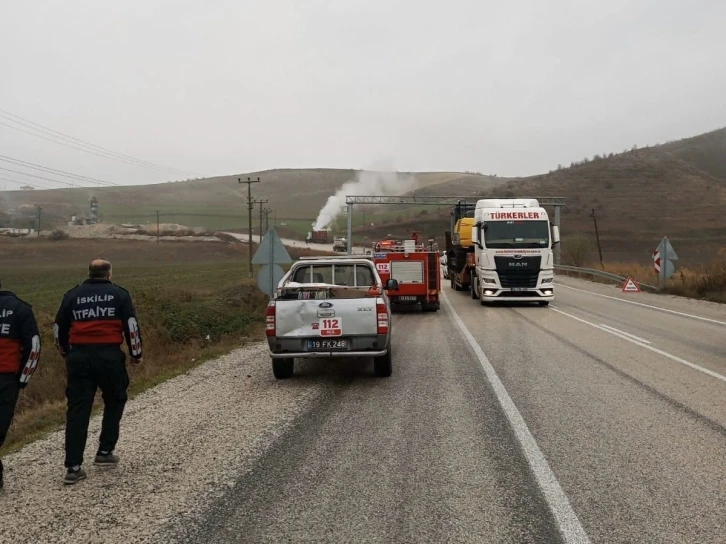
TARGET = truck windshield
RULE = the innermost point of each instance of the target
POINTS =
(504, 234)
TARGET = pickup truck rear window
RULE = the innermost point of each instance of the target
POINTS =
(349, 275)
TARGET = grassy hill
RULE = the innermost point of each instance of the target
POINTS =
(676, 189)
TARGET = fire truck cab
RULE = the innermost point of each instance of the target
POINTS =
(415, 267)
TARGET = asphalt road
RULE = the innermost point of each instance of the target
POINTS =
(593, 420)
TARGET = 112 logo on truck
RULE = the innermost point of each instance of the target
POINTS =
(331, 327)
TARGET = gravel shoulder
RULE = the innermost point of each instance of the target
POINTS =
(182, 443)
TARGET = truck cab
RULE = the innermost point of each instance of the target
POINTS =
(513, 242)
(330, 307)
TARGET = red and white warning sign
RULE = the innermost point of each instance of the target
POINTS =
(332, 326)
(383, 268)
(656, 261)
(630, 286)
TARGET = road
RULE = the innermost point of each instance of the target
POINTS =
(589, 433)
(599, 419)
(289, 242)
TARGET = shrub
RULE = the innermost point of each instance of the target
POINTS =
(58, 234)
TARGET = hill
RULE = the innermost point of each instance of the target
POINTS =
(221, 202)
(676, 189)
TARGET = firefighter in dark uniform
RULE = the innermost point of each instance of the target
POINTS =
(19, 356)
(90, 327)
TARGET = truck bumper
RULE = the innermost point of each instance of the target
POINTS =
(504, 295)
(358, 346)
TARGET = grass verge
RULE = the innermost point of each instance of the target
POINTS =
(707, 282)
(194, 302)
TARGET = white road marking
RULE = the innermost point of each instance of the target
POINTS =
(709, 320)
(565, 517)
(638, 338)
(646, 346)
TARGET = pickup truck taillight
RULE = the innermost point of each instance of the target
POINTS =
(382, 312)
(270, 319)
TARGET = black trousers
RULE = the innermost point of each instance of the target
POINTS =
(89, 368)
(9, 390)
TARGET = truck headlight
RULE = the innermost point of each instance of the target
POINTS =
(489, 280)
(547, 280)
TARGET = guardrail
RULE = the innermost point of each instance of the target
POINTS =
(602, 274)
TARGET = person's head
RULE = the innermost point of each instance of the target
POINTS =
(99, 269)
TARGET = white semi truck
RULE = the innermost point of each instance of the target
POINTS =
(513, 241)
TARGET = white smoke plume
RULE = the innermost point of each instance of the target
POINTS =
(368, 183)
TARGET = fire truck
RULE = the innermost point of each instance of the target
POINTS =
(415, 267)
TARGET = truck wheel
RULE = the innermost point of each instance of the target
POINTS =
(544, 302)
(474, 287)
(430, 306)
(383, 365)
(283, 368)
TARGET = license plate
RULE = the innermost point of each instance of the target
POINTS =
(519, 289)
(407, 297)
(317, 345)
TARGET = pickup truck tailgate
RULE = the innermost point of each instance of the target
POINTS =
(326, 317)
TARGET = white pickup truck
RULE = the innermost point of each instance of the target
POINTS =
(340, 244)
(330, 307)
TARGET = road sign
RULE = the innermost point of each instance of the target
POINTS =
(666, 250)
(271, 250)
(630, 286)
(268, 278)
(663, 258)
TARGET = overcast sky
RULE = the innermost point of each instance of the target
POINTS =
(223, 87)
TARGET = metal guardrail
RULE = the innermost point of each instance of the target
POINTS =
(602, 274)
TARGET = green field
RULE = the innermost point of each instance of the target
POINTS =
(193, 300)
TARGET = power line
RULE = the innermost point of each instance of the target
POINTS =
(38, 177)
(49, 170)
(81, 145)
(34, 185)
(57, 134)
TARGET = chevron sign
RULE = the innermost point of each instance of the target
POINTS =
(656, 261)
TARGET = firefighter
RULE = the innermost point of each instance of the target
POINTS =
(19, 356)
(90, 327)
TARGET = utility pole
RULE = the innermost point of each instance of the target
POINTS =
(267, 211)
(38, 219)
(250, 207)
(260, 202)
(597, 236)
(157, 225)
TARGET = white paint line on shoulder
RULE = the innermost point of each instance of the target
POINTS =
(646, 346)
(638, 338)
(659, 308)
(567, 522)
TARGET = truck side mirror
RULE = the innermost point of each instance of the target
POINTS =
(475, 234)
(555, 235)
(391, 285)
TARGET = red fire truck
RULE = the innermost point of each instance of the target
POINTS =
(415, 267)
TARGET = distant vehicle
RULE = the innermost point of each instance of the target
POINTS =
(416, 269)
(340, 244)
(330, 307)
(319, 236)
